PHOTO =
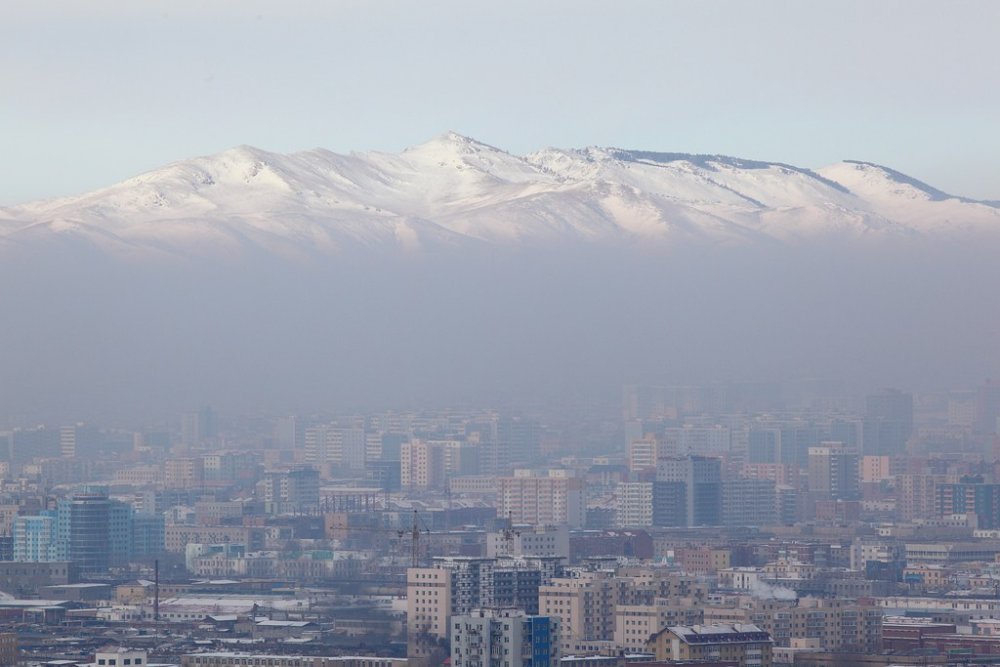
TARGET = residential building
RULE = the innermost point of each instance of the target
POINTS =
(550, 499)
(526, 540)
(749, 502)
(888, 423)
(746, 645)
(634, 504)
(701, 477)
(36, 539)
(833, 472)
(503, 638)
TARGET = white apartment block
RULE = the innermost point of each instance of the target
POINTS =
(634, 504)
(549, 500)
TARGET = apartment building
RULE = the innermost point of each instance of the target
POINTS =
(636, 623)
(745, 645)
(550, 499)
(634, 504)
(586, 603)
(832, 624)
(503, 638)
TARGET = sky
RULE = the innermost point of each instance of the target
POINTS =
(92, 92)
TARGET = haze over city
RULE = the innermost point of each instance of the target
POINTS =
(480, 334)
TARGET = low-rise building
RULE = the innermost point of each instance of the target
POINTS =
(746, 645)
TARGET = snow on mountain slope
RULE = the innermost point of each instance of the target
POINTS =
(454, 190)
(922, 207)
(697, 178)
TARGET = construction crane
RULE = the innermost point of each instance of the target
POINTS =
(417, 528)
(415, 538)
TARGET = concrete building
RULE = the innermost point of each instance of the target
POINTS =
(184, 473)
(586, 604)
(916, 495)
(526, 540)
(121, 657)
(634, 505)
(970, 498)
(888, 423)
(832, 624)
(27, 579)
(635, 624)
(293, 491)
(642, 454)
(460, 585)
(746, 645)
(833, 472)
(37, 540)
(177, 537)
(552, 499)
(503, 638)
(749, 502)
(429, 605)
(702, 480)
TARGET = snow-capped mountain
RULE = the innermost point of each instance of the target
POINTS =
(454, 190)
(454, 272)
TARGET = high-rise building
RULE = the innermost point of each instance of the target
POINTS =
(291, 491)
(454, 586)
(556, 498)
(987, 418)
(833, 472)
(970, 497)
(670, 504)
(427, 464)
(201, 427)
(148, 536)
(764, 445)
(888, 423)
(749, 502)
(713, 440)
(85, 526)
(634, 504)
(916, 495)
(36, 539)
(702, 479)
(586, 603)
(40, 442)
(504, 638)
(642, 454)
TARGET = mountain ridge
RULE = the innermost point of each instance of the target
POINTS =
(454, 189)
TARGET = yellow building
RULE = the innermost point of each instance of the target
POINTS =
(428, 608)
(746, 645)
